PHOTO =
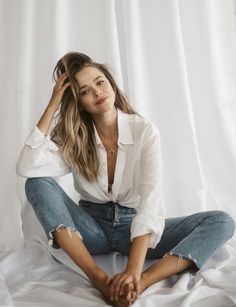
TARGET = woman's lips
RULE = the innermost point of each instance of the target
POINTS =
(101, 100)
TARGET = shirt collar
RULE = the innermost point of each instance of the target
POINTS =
(124, 132)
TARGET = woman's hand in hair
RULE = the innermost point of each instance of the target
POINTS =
(58, 91)
(53, 105)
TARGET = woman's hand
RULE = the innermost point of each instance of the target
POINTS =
(58, 91)
(127, 283)
(53, 105)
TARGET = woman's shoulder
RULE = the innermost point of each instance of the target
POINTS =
(142, 125)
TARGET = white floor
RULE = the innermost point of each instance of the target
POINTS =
(31, 276)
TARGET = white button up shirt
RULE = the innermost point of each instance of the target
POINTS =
(137, 179)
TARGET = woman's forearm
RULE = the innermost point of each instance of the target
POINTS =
(45, 120)
(137, 254)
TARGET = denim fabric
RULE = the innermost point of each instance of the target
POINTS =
(106, 227)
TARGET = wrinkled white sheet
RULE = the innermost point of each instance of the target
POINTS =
(31, 276)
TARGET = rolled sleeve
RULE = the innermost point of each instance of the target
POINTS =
(144, 223)
(150, 217)
(36, 138)
(41, 157)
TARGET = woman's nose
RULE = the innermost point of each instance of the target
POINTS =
(98, 92)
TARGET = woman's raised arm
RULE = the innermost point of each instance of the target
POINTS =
(40, 156)
(53, 105)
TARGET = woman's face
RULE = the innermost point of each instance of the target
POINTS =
(96, 93)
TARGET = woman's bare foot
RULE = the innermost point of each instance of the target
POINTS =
(101, 282)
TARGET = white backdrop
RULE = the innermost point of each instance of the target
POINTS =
(174, 59)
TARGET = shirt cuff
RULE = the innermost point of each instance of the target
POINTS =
(37, 138)
(144, 223)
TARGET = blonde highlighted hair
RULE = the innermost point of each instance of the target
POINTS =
(74, 129)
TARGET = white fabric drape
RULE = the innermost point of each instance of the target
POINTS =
(176, 61)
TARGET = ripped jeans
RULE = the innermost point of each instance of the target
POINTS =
(105, 228)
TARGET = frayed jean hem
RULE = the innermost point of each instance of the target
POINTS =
(51, 241)
(193, 269)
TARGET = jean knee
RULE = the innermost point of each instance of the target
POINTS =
(35, 183)
(227, 223)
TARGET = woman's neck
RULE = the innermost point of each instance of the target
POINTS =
(106, 124)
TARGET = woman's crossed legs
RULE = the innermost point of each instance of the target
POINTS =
(187, 242)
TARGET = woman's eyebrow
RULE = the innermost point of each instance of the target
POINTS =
(92, 81)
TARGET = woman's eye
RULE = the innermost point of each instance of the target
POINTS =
(100, 82)
(84, 93)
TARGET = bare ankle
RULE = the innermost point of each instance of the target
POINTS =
(143, 283)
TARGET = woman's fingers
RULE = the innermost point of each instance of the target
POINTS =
(126, 286)
(120, 284)
(108, 281)
(62, 80)
(119, 288)
(58, 91)
(129, 290)
(115, 287)
(134, 296)
(65, 86)
(60, 86)
(137, 287)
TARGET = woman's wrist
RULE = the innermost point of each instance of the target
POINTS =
(51, 109)
(136, 272)
(137, 255)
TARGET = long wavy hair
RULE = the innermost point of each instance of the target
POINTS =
(74, 129)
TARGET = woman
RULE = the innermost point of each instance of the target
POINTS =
(115, 158)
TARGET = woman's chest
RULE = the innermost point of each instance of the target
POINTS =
(111, 166)
(120, 171)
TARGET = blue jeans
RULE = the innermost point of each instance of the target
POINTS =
(106, 227)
